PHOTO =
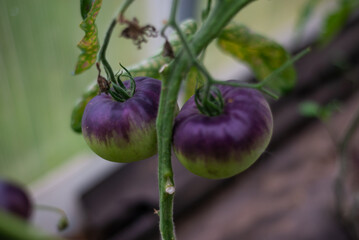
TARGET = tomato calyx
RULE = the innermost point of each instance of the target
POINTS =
(115, 87)
(209, 102)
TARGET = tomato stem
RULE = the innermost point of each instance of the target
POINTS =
(218, 18)
(102, 54)
(63, 221)
(120, 87)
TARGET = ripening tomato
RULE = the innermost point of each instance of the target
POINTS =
(15, 200)
(223, 145)
(124, 131)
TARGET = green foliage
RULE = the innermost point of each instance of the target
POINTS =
(261, 54)
(79, 108)
(337, 19)
(333, 21)
(85, 7)
(193, 81)
(89, 44)
(313, 109)
(309, 109)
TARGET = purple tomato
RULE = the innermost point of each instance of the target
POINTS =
(15, 200)
(124, 131)
(224, 145)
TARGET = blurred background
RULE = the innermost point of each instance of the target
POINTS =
(38, 91)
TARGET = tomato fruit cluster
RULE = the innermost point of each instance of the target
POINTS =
(15, 200)
(223, 145)
(124, 131)
(213, 147)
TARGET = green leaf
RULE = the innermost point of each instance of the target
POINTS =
(309, 109)
(327, 111)
(313, 109)
(261, 54)
(335, 20)
(85, 6)
(78, 110)
(89, 44)
(193, 81)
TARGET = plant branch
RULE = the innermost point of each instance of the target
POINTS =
(102, 54)
(288, 63)
(223, 12)
(173, 23)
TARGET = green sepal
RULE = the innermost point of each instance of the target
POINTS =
(128, 74)
(116, 96)
(261, 54)
(213, 105)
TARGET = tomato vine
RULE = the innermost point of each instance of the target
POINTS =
(220, 16)
(215, 20)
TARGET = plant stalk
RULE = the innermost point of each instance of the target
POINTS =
(102, 54)
(223, 12)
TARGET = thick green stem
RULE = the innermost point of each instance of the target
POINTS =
(223, 12)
